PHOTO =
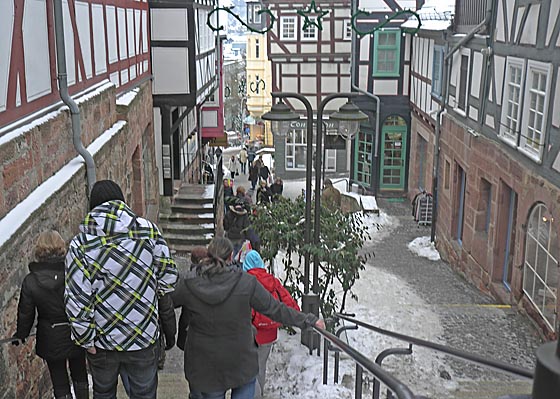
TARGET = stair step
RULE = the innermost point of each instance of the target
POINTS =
(188, 229)
(191, 199)
(184, 248)
(197, 190)
(192, 208)
(179, 239)
(199, 219)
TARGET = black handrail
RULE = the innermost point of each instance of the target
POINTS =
(395, 385)
(11, 339)
(471, 357)
(379, 360)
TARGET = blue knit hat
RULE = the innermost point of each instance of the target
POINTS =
(252, 260)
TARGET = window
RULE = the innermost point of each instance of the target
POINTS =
(511, 107)
(421, 154)
(437, 71)
(534, 114)
(463, 83)
(386, 60)
(257, 48)
(288, 28)
(310, 32)
(256, 15)
(330, 160)
(482, 213)
(347, 30)
(446, 173)
(296, 149)
(540, 266)
(460, 190)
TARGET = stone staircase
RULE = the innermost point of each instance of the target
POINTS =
(189, 220)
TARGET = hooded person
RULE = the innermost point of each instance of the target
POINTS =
(236, 225)
(267, 329)
(221, 352)
(42, 292)
(117, 268)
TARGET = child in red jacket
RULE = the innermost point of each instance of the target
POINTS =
(267, 330)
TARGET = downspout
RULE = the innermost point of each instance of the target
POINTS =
(65, 96)
(444, 97)
(353, 86)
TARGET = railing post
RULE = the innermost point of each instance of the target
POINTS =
(325, 360)
(546, 384)
(359, 375)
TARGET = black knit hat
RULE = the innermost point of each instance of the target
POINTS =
(103, 191)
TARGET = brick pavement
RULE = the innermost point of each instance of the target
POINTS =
(471, 320)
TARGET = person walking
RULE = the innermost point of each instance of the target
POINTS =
(42, 292)
(220, 351)
(236, 225)
(244, 198)
(277, 188)
(251, 156)
(233, 166)
(264, 194)
(267, 329)
(116, 269)
(243, 160)
(254, 175)
(264, 172)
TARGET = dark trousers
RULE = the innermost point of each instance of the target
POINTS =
(140, 367)
(59, 373)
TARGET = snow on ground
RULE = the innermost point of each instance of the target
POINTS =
(422, 246)
(293, 373)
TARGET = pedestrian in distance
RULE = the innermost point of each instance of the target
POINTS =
(243, 160)
(244, 198)
(267, 329)
(116, 269)
(233, 166)
(277, 188)
(264, 172)
(264, 194)
(330, 198)
(236, 225)
(220, 352)
(42, 293)
(251, 156)
(254, 175)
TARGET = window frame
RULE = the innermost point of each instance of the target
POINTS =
(520, 63)
(545, 68)
(310, 29)
(283, 22)
(290, 141)
(347, 29)
(397, 49)
(257, 48)
(439, 53)
(459, 86)
(256, 15)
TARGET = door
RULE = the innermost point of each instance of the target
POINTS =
(510, 205)
(362, 161)
(393, 154)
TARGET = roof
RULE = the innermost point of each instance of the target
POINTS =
(434, 14)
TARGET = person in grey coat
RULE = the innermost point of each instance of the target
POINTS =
(221, 351)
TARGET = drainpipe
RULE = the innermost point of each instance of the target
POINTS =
(353, 86)
(445, 93)
(65, 96)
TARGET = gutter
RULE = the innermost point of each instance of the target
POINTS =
(444, 96)
(65, 96)
(353, 86)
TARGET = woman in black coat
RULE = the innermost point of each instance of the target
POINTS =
(220, 350)
(42, 291)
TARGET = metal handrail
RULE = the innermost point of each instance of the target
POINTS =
(12, 339)
(471, 357)
(395, 385)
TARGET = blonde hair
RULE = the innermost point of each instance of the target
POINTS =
(50, 244)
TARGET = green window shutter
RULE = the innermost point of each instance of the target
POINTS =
(387, 52)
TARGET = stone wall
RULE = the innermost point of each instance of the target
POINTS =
(128, 158)
(479, 256)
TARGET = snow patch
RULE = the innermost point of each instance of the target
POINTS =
(422, 246)
(127, 98)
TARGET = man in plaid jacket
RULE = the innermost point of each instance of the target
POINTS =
(116, 269)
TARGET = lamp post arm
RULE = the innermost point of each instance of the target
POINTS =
(318, 160)
(308, 171)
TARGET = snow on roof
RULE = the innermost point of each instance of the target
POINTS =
(12, 222)
(434, 14)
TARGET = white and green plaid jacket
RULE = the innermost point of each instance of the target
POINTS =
(116, 268)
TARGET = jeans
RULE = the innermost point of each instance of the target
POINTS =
(140, 367)
(246, 391)
(263, 352)
(59, 373)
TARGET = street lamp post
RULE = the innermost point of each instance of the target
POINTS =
(349, 116)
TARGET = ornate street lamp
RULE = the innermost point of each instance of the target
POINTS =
(349, 117)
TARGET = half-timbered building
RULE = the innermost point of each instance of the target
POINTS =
(186, 94)
(499, 174)
(43, 181)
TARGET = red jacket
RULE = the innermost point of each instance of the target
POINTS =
(267, 330)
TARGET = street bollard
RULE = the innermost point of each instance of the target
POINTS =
(546, 384)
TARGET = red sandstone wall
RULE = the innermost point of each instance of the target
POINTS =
(30, 160)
